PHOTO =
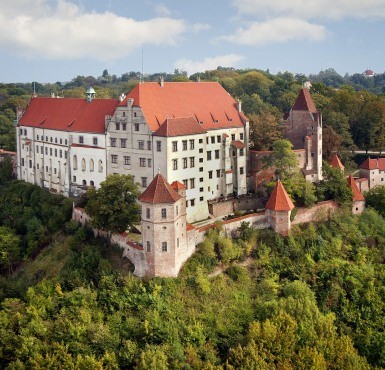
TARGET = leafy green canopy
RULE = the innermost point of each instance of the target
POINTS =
(113, 207)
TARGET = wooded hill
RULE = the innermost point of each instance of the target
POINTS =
(257, 301)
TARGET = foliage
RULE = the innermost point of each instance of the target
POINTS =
(114, 206)
(375, 198)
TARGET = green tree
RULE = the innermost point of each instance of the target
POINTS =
(375, 198)
(114, 206)
(9, 248)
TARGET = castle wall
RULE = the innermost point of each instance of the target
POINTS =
(319, 212)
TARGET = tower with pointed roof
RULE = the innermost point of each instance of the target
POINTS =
(164, 227)
(358, 199)
(278, 209)
(303, 127)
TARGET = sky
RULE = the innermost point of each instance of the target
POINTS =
(56, 40)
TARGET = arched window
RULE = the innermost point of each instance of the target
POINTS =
(100, 165)
(75, 162)
(91, 165)
(83, 164)
(84, 182)
(92, 183)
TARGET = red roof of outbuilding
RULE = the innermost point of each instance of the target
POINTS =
(373, 164)
(238, 144)
(279, 199)
(179, 127)
(336, 163)
(208, 102)
(68, 114)
(159, 191)
(357, 195)
(176, 185)
(304, 102)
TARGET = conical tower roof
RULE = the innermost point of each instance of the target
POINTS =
(357, 195)
(304, 102)
(336, 163)
(279, 199)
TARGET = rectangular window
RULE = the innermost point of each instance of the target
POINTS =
(174, 164)
(136, 126)
(148, 145)
(147, 212)
(54, 171)
(185, 183)
(41, 149)
(149, 162)
(164, 213)
(200, 169)
(201, 190)
(241, 152)
(210, 174)
(73, 177)
(50, 151)
(241, 136)
(123, 143)
(95, 140)
(30, 163)
(60, 153)
(200, 141)
(144, 182)
(46, 151)
(192, 144)
(209, 155)
(124, 125)
(117, 126)
(184, 162)
(158, 146)
(81, 140)
(114, 158)
(201, 179)
(141, 144)
(192, 202)
(55, 152)
(232, 137)
(201, 199)
(200, 150)
(113, 141)
(164, 246)
(174, 146)
(241, 170)
(218, 173)
(218, 138)
(192, 162)
(148, 246)
(192, 183)
(65, 155)
(127, 160)
(212, 139)
(217, 154)
(142, 162)
(184, 144)
(37, 148)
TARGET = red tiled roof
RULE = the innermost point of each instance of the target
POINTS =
(238, 144)
(373, 164)
(357, 195)
(159, 191)
(176, 185)
(68, 114)
(179, 127)
(304, 102)
(203, 100)
(279, 200)
(190, 227)
(336, 163)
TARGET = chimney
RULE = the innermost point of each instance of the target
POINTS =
(130, 102)
(239, 106)
(161, 81)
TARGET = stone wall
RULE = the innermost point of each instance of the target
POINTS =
(228, 206)
(320, 212)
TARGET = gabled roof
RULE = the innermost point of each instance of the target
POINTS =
(159, 191)
(68, 114)
(203, 100)
(336, 163)
(357, 195)
(304, 102)
(279, 200)
(179, 127)
(373, 164)
(176, 185)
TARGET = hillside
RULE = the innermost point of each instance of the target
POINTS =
(314, 299)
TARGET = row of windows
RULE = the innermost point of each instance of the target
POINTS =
(52, 152)
(164, 246)
(84, 164)
(184, 163)
(84, 183)
(163, 212)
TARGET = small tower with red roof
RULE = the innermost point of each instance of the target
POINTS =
(336, 163)
(278, 210)
(164, 235)
(358, 199)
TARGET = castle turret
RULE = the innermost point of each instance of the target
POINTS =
(163, 227)
(358, 199)
(278, 210)
(336, 163)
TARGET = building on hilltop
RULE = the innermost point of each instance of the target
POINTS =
(373, 169)
(193, 132)
(358, 199)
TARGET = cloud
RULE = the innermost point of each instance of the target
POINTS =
(35, 28)
(199, 27)
(277, 30)
(162, 10)
(312, 9)
(229, 60)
